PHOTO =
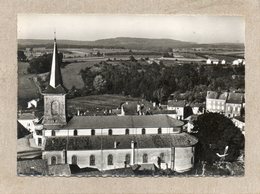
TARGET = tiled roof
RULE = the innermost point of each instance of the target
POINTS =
(133, 121)
(236, 98)
(176, 103)
(164, 112)
(123, 141)
(32, 167)
(58, 90)
(217, 95)
(26, 116)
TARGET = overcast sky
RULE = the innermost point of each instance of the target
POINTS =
(200, 29)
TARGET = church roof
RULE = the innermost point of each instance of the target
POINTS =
(55, 85)
(123, 142)
(133, 121)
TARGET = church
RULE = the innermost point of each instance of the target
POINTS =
(110, 142)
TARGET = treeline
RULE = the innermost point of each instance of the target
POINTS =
(156, 81)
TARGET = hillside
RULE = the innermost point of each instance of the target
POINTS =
(122, 42)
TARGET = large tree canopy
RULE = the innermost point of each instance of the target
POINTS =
(215, 132)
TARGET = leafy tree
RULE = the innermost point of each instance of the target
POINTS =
(99, 83)
(42, 64)
(215, 132)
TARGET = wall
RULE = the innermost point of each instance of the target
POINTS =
(115, 131)
(233, 110)
(49, 118)
(183, 157)
(215, 105)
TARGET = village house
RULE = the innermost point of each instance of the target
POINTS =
(228, 103)
(111, 142)
(240, 123)
(212, 61)
(216, 101)
(178, 106)
(28, 120)
(234, 104)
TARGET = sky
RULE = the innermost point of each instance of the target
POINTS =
(199, 29)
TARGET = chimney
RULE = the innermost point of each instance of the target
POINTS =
(132, 162)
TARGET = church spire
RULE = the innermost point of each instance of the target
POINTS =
(55, 77)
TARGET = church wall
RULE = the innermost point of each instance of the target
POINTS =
(183, 157)
(115, 131)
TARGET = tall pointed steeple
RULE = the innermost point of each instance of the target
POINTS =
(55, 77)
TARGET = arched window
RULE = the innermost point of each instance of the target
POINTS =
(54, 107)
(53, 133)
(74, 159)
(143, 131)
(110, 132)
(53, 160)
(127, 131)
(92, 160)
(92, 131)
(145, 158)
(160, 130)
(162, 157)
(127, 158)
(75, 132)
(109, 159)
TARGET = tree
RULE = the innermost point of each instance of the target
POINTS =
(42, 64)
(21, 56)
(215, 132)
(99, 83)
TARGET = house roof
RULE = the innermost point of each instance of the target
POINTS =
(177, 103)
(26, 116)
(217, 95)
(236, 98)
(32, 167)
(133, 121)
(164, 111)
(58, 90)
(123, 141)
(197, 104)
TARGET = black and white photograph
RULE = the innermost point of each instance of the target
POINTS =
(130, 95)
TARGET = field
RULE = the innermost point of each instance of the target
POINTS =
(97, 103)
(26, 86)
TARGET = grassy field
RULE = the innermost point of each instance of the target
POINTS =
(26, 86)
(98, 102)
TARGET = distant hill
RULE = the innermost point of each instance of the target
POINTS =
(122, 42)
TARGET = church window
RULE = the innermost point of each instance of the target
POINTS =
(92, 131)
(53, 133)
(92, 160)
(74, 159)
(110, 132)
(127, 131)
(127, 158)
(143, 131)
(53, 160)
(54, 107)
(160, 130)
(109, 159)
(145, 158)
(75, 132)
